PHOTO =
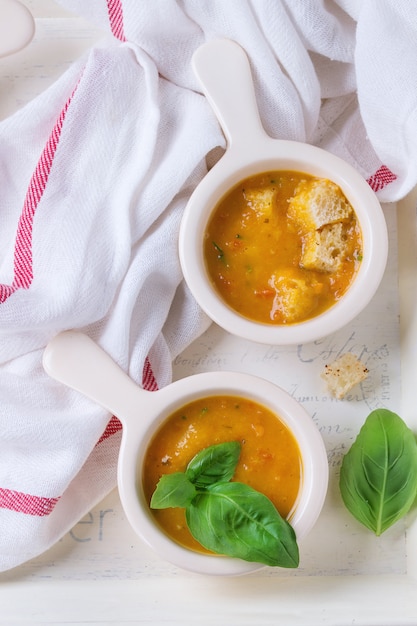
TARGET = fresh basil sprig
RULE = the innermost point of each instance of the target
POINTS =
(214, 464)
(234, 519)
(173, 490)
(378, 477)
(229, 518)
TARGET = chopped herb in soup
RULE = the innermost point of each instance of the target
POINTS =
(282, 247)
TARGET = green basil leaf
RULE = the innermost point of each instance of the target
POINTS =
(378, 478)
(214, 464)
(172, 490)
(235, 520)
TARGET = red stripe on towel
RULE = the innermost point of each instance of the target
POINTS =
(382, 177)
(112, 428)
(148, 379)
(115, 11)
(25, 503)
(23, 269)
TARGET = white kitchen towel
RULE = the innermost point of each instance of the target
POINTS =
(94, 177)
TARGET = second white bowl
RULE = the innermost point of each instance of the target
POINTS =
(224, 72)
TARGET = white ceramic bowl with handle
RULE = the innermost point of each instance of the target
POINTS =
(75, 360)
(223, 69)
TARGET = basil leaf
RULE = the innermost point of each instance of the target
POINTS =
(378, 478)
(172, 490)
(235, 520)
(214, 464)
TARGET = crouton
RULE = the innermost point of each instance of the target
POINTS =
(324, 250)
(343, 374)
(261, 200)
(295, 297)
(318, 202)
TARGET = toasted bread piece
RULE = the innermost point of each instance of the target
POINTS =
(343, 374)
(324, 250)
(318, 202)
(261, 200)
(295, 297)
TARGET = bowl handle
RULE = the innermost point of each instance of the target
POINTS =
(223, 70)
(74, 359)
(17, 27)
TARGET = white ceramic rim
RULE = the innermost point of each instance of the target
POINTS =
(276, 155)
(136, 438)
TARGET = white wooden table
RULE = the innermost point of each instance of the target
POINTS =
(101, 573)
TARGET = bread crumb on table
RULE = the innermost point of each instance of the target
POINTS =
(343, 374)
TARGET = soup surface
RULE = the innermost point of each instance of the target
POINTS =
(269, 462)
(282, 247)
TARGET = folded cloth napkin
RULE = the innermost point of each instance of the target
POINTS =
(94, 176)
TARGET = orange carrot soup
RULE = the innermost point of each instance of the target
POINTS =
(282, 247)
(270, 460)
